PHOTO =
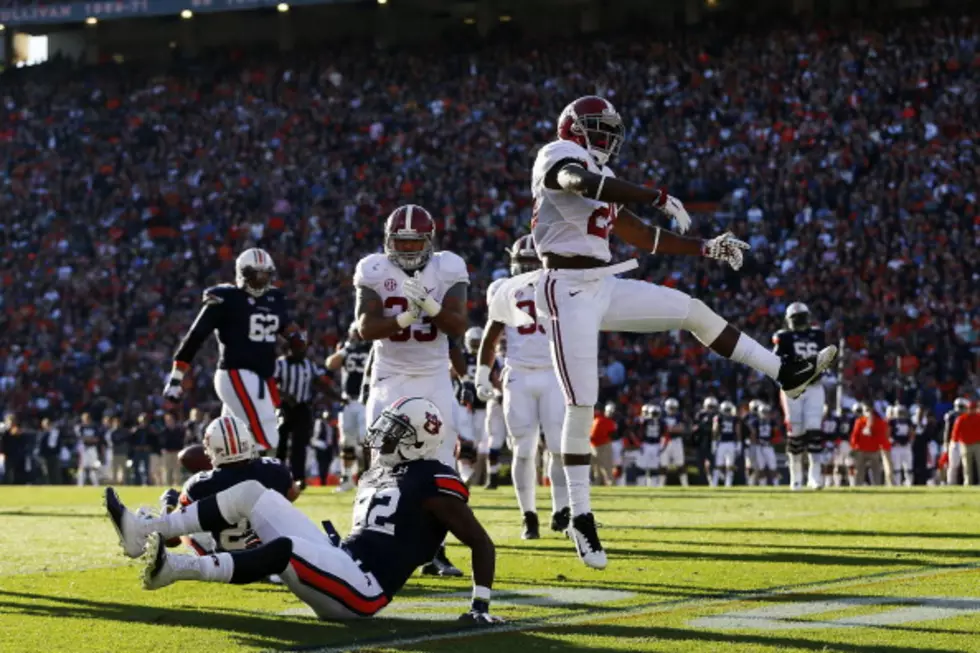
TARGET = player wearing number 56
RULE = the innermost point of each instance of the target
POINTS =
(410, 300)
(249, 317)
(405, 506)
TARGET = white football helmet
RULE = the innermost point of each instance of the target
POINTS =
(254, 270)
(710, 404)
(798, 316)
(672, 406)
(610, 409)
(754, 405)
(228, 440)
(961, 405)
(651, 411)
(409, 429)
(728, 409)
(899, 411)
(523, 257)
(472, 338)
(763, 410)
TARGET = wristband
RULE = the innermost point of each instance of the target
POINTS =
(406, 319)
(656, 242)
(431, 306)
(177, 373)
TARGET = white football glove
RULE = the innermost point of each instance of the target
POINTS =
(484, 389)
(675, 209)
(416, 293)
(725, 247)
(173, 390)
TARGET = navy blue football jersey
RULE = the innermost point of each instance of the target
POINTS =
(949, 419)
(727, 428)
(901, 431)
(356, 356)
(393, 534)
(653, 430)
(703, 424)
(270, 472)
(248, 328)
(764, 430)
(470, 381)
(803, 343)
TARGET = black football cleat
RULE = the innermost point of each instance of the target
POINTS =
(531, 531)
(493, 482)
(560, 520)
(441, 566)
(798, 374)
(583, 533)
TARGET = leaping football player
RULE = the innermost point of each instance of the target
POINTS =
(577, 205)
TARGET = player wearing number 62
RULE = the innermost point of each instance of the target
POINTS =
(405, 506)
(249, 318)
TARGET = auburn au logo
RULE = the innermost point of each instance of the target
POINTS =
(432, 423)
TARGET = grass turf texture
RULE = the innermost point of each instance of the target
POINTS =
(682, 562)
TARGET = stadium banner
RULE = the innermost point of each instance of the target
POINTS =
(77, 12)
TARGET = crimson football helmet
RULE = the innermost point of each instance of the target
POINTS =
(409, 232)
(523, 257)
(593, 123)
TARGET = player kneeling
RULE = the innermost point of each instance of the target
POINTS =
(404, 508)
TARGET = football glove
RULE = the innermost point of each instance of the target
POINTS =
(479, 614)
(173, 390)
(672, 207)
(725, 247)
(416, 293)
(484, 389)
(169, 500)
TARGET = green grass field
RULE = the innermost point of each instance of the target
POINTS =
(696, 570)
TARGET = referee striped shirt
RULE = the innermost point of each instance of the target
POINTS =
(295, 378)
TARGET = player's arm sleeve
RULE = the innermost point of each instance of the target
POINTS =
(204, 324)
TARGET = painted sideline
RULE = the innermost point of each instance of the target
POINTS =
(640, 610)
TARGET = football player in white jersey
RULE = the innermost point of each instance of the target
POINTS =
(532, 397)
(577, 204)
(410, 299)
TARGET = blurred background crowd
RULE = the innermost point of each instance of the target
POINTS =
(847, 153)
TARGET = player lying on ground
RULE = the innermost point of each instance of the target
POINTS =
(233, 458)
(404, 507)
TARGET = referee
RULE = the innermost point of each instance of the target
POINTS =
(296, 376)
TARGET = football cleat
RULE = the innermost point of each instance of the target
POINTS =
(560, 520)
(531, 530)
(346, 486)
(132, 536)
(586, 539)
(441, 566)
(493, 482)
(157, 570)
(798, 374)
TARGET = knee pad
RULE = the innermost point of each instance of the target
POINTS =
(348, 454)
(524, 446)
(575, 430)
(814, 441)
(796, 445)
(703, 323)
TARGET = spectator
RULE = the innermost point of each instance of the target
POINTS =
(870, 447)
(91, 445)
(966, 435)
(15, 445)
(603, 429)
(142, 444)
(118, 438)
(49, 452)
(171, 442)
(194, 427)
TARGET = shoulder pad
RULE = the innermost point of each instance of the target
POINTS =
(371, 270)
(217, 294)
(775, 336)
(492, 289)
(452, 268)
(557, 150)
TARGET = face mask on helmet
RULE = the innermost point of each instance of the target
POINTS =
(604, 136)
(409, 252)
(255, 281)
(524, 264)
(398, 440)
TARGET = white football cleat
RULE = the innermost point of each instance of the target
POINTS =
(157, 568)
(130, 528)
(796, 375)
(346, 486)
(583, 533)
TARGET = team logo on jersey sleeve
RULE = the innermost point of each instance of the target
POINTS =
(390, 285)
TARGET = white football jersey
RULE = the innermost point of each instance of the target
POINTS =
(421, 349)
(527, 346)
(566, 223)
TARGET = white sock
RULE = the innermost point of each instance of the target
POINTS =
(816, 476)
(215, 568)
(578, 489)
(729, 478)
(466, 471)
(715, 477)
(762, 481)
(684, 479)
(661, 480)
(751, 353)
(559, 484)
(525, 482)
(795, 468)
(178, 522)
(776, 480)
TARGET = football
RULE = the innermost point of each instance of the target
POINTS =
(194, 459)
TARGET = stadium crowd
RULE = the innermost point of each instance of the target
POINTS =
(846, 155)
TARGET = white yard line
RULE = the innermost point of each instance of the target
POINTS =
(643, 610)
